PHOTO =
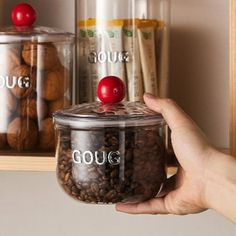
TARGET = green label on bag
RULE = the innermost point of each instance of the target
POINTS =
(147, 35)
(83, 33)
(128, 33)
(111, 34)
(91, 33)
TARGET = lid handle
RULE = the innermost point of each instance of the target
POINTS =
(23, 14)
(111, 89)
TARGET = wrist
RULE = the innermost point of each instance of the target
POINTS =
(220, 187)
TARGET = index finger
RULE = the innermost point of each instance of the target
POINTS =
(153, 206)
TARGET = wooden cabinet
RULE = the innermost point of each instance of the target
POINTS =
(233, 77)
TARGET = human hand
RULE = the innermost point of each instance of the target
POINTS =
(188, 188)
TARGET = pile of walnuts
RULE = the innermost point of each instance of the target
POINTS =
(26, 109)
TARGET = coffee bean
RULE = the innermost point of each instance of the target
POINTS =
(93, 175)
(95, 187)
(67, 176)
(100, 171)
(102, 192)
(137, 177)
(104, 185)
(111, 195)
(129, 155)
(114, 173)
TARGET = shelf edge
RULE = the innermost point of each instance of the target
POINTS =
(43, 164)
(31, 163)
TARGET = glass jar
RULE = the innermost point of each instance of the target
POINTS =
(36, 75)
(123, 38)
(111, 153)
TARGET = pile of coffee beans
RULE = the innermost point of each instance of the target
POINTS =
(112, 165)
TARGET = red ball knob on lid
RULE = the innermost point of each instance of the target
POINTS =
(111, 89)
(23, 14)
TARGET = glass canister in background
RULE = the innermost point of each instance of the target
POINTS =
(123, 38)
(36, 75)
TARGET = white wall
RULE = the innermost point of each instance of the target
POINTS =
(32, 203)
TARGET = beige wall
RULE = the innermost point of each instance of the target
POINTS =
(31, 204)
(200, 64)
(53, 13)
(1, 12)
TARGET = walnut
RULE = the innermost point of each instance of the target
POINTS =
(33, 108)
(3, 141)
(22, 134)
(47, 135)
(53, 85)
(58, 105)
(43, 56)
(9, 58)
(27, 83)
(67, 78)
(8, 104)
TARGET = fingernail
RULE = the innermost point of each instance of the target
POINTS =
(149, 95)
(118, 207)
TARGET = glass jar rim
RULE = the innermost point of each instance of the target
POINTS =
(98, 115)
(39, 34)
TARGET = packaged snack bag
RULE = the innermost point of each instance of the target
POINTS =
(133, 66)
(116, 56)
(85, 82)
(163, 55)
(147, 47)
(94, 59)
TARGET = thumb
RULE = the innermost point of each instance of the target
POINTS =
(172, 113)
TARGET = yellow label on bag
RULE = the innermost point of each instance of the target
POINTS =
(161, 24)
(147, 23)
(120, 22)
(87, 23)
(117, 22)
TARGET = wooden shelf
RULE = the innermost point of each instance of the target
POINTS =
(27, 163)
(42, 163)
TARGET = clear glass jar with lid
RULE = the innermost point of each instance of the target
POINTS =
(124, 38)
(110, 153)
(36, 76)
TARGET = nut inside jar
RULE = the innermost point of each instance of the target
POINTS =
(36, 77)
(34, 82)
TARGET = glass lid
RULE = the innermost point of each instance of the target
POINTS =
(96, 114)
(37, 34)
